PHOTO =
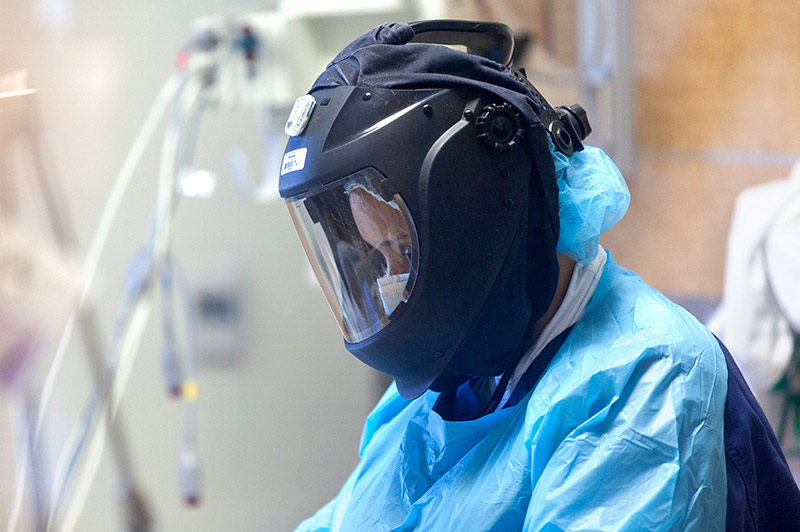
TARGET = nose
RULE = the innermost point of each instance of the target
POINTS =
(395, 268)
(396, 263)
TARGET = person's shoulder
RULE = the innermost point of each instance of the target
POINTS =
(631, 347)
(760, 194)
(626, 311)
(632, 352)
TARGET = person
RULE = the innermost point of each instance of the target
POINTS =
(759, 315)
(452, 217)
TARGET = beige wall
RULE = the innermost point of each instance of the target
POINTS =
(710, 77)
(716, 99)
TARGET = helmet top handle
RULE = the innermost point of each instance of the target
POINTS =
(567, 126)
(491, 40)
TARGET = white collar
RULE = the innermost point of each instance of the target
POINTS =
(581, 288)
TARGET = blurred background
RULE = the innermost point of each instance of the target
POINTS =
(694, 99)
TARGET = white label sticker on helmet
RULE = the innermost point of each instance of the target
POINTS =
(294, 160)
(300, 114)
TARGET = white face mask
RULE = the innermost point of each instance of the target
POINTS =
(391, 288)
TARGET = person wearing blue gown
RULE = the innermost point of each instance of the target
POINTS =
(453, 218)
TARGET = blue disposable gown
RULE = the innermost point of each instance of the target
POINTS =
(624, 431)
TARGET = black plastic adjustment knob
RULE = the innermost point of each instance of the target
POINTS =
(576, 122)
(499, 126)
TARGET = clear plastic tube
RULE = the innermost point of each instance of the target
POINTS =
(132, 334)
(166, 201)
(166, 94)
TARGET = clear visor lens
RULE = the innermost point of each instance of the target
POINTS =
(363, 246)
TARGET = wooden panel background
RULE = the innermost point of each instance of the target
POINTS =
(717, 101)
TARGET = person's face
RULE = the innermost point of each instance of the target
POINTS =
(384, 228)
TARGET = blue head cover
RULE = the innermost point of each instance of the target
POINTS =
(380, 58)
(592, 197)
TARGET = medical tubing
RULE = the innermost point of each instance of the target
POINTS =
(34, 463)
(170, 368)
(166, 187)
(132, 334)
(190, 362)
(134, 329)
(128, 335)
(23, 417)
(138, 272)
(168, 93)
(189, 473)
(189, 465)
(68, 458)
(19, 449)
(171, 371)
(85, 315)
(22, 429)
(184, 155)
(128, 349)
(160, 244)
(170, 359)
(125, 340)
(192, 122)
(100, 237)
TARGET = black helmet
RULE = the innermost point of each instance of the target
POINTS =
(422, 186)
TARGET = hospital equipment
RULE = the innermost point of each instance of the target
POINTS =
(184, 97)
(19, 126)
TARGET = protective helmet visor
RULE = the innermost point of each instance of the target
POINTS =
(363, 247)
